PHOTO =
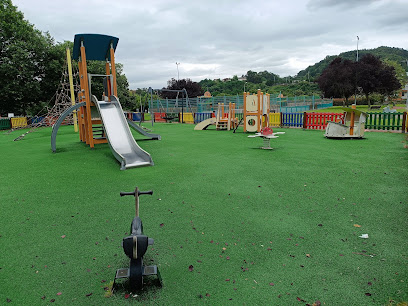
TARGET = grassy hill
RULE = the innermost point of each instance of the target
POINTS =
(398, 55)
(295, 85)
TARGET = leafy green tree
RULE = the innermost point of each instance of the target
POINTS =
(400, 72)
(140, 99)
(23, 58)
(389, 81)
(253, 77)
(98, 67)
(55, 63)
(375, 76)
(31, 65)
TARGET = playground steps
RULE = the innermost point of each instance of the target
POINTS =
(221, 125)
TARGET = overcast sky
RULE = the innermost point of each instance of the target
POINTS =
(218, 39)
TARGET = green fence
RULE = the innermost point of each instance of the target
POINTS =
(5, 124)
(203, 104)
(386, 121)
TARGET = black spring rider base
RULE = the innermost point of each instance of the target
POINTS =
(135, 246)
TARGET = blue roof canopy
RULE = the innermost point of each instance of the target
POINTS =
(97, 46)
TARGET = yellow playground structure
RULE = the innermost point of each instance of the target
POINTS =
(255, 115)
(225, 119)
(256, 111)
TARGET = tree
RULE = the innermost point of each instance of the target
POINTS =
(23, 52)
(140, 99)
(253, 77)
(375, 76)
(98, 67)
(338, 79)
(193, 88)
(389, 81)
(400, 72)
(31, 64)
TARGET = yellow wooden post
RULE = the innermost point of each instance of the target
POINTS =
(71, 88)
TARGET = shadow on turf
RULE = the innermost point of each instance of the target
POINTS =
(151, 285)
(347, 138)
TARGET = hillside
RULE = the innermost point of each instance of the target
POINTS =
(398, 55)
(295, 85)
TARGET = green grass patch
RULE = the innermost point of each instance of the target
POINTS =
(363, 108)
(338, 109)
(258, 226)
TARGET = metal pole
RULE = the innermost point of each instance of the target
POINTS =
(151, 105)
(182, 110)
(280, 102)
(355, 92)
(178, 76)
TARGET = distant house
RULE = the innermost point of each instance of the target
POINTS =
(242, 78)
(402, 95)
(207, 94)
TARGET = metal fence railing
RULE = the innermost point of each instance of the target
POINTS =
(210, 104)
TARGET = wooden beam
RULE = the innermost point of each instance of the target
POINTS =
(88, 116)
(112, 56)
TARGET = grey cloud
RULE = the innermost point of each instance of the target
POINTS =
(344, 4)
(232, 35)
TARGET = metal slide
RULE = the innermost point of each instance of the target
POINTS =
(140, 130)
(121, 141)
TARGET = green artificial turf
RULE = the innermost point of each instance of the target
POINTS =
(363, 108)
(232, 223)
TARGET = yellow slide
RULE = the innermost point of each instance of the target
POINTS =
(205, 124)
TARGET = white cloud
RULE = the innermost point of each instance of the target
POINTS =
(217, 39)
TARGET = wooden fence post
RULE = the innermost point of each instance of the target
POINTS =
(304, 120)
(404, 122)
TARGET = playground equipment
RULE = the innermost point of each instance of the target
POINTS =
(267, 134)
(256, 111)
(203, 125)
(135, 247)
(224, 120)
(353, 127)
(64, 98)
(169, 116)
(387, 109)
(102, 121)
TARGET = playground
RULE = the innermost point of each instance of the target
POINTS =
(311, 220)
(231, 223)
